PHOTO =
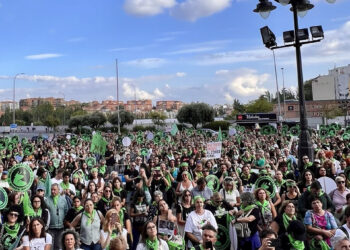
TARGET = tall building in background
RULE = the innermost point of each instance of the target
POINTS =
(334, 86)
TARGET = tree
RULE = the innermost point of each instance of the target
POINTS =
(260, 105)
(52, 122)
(196, 113)
(125, 118)
(42, 111)
(158, 118)
(238, 107)
(96, 120)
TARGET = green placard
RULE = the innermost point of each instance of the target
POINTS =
(20, 177)
(223, 238)
(90, 161)
(3, 198)
(213, 182)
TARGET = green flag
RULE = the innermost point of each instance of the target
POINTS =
(174, 129)
(98, 144)
(220, 135)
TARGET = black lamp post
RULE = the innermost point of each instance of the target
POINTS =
(298, 7)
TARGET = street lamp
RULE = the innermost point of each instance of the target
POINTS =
(14, 98)
(64, 108)
(298, 7)
(284, 94)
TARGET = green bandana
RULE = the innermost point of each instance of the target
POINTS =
(121, 216)
(78, 209)
(117, 191)
(247, 208)
(106, 200)
(64, 186)
(102, 169)
(279, 184)
(296, 244)
(55, 199)
(316, 245)
(38, 214)
(152, 244)
(264, 206)
(90, 216)
(12, 232)
(287, 220)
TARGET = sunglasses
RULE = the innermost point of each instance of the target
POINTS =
(13, 214)
(340, 182)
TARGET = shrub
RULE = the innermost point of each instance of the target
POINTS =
(216, 125)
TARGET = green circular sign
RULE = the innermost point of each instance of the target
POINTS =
(3, 198)
(20, 177)
(90, 161)
(213, 182)
(267, 183)
(223, 236)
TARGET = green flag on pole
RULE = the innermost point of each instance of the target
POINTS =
(220, 135)
(174, 129)
(98, 144)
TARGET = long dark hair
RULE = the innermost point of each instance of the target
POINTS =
(31, 233)
(144, 231)
(42, 202)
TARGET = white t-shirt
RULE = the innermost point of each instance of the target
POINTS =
(195, 222)
(37, 243)
(230, 197)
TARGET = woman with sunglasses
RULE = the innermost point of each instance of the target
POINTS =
(183, 208)
(37, 238)
(185, 184)
(104, 204)
(11, 229)
(150, 238)
(338, 196)
(230, 192)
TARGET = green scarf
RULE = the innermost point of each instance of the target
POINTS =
(106, 200)
(117, 191)
(102, 169)
(321, 244)
(37, 214)
(78, 209)
(246, 178)
(296, 244)
(279, 184)
(287, 220)
(247, 208)
(64, 186)
(265, 206)
(152, 244)
(12, 232)
(90, 216)
(55, 199)
(121, 216)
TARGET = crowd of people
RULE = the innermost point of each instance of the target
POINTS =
(167, 194)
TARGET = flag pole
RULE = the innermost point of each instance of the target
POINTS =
(116, 61)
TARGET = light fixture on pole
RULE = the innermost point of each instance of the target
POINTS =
(264, 8)
(14, 98)
(284, 94)
(299, 8)
(118, 109)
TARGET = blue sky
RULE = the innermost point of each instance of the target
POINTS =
(188, 50)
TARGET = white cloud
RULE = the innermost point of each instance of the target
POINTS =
(148, 63)
(130, 90)
(190, 51)
(43, 56)
(242, 83)
(76, 39)
(180, 74)
(147, 7)
(191, 10)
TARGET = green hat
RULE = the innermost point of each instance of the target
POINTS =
(184, 164)
(198, 197)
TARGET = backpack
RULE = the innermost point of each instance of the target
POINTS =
(242, 228)
(344, 231)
